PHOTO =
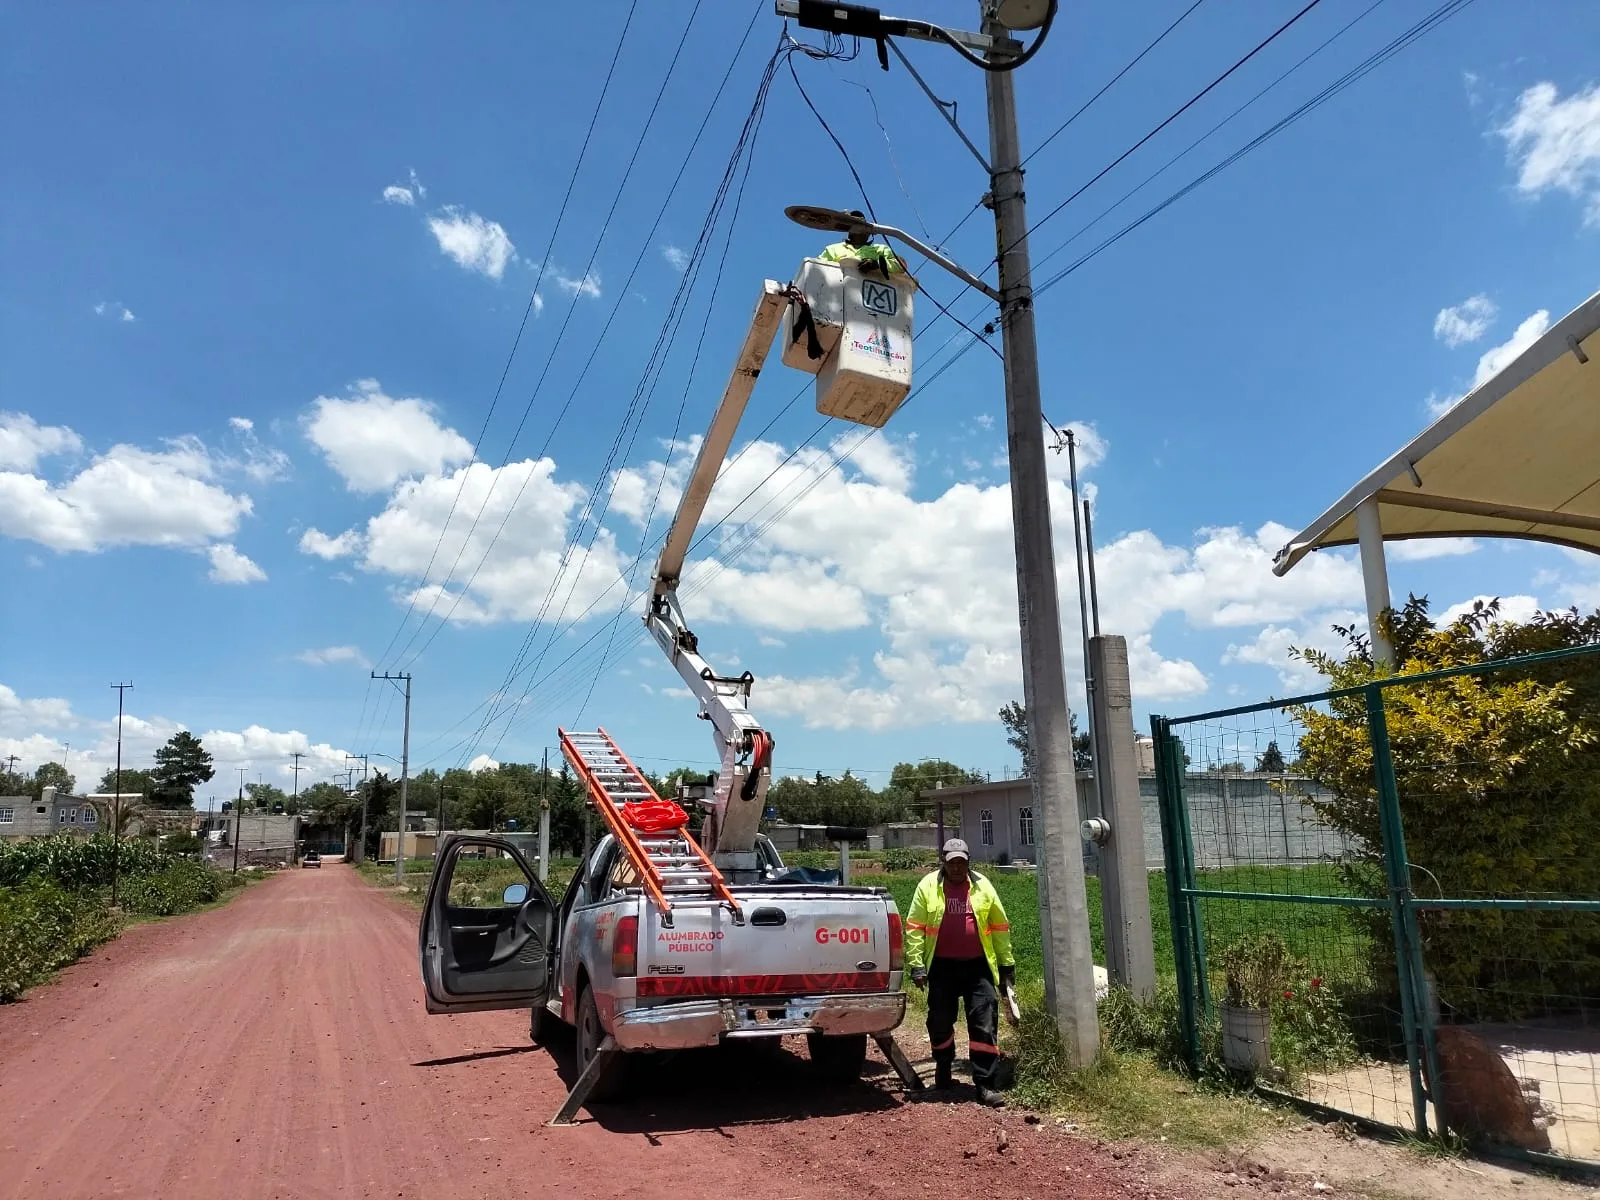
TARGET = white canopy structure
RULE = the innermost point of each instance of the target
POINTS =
(1518, 457)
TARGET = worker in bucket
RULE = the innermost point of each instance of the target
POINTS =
(958, 947)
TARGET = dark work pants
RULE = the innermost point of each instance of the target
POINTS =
(957, 981)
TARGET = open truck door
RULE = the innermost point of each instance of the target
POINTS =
(484, 947)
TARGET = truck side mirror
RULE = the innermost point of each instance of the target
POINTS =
(515, 893)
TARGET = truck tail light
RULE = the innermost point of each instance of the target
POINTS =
(625, 947)
(897, 942)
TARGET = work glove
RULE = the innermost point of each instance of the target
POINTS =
(1008, 977)
(919, 977)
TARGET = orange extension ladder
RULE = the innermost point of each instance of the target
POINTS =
(672, 867)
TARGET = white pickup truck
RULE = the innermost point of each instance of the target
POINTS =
(818, 959)
(662, 943)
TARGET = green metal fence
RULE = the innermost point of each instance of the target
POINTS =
(1405, 876)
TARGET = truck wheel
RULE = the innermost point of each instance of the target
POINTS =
(590, 1035)
(840, 1059)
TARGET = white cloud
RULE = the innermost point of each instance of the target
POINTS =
(23, 441)
(260, 462)
(474, 242)
(17, 714)
(126, 496)
(1422, 549)
(1272, 645)
(314, 541)
(538, 305)
(587, 286)
(120, 311)
(1496, 359)
(33, 729)
(330, 655)
(1555, 144)
(483, 763)
(374, 440)
(1515, 609)
(1465, 322)
(394, 194)
(1499, 357)
(230, 566)
(511, 554)
(677, 257)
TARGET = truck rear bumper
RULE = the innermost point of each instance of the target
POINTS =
(686, 1024)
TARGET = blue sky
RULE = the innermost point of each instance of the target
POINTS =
(264, 271)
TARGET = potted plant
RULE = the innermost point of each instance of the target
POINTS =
(1254, 969)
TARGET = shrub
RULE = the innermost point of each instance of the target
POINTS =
(44, 927)
(1256, 969)
(903, 858)
(179, 887)
(1498, 776)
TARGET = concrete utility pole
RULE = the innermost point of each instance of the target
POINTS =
(1064, 909)
(1124, 874)
(1064, 917)
(297, 756)
(361, 845)
(405, 771)
(116, 801)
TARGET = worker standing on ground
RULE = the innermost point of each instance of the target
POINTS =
(958, 946)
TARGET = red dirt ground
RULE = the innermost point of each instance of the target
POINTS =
(278, 1047)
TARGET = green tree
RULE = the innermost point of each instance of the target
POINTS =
(135, 782)
(265, 797)
(1498, 775)
(182, 765)
(1014, 716)
(1271, 760)
(54, 775)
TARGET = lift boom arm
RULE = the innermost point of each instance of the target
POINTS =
(744, 747)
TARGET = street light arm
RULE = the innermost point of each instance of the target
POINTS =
(933, 256)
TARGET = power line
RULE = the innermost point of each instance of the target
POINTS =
(1109, 84)
(1186, 106)
(1420, 29)
(690, 590)
(577, 294)
(533, 296)
(656, 360)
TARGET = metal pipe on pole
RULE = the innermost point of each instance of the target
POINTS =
(1064, 913)
(238, 821)
(544, 817)
(116, 800)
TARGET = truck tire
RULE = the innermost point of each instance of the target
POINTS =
(591, 1033)
(839, 1059)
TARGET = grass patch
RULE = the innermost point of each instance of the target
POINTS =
(1131, 1090)
(474, 882)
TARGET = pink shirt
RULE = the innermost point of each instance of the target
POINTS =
(958, 931)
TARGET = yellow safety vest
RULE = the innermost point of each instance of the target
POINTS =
(927, 913)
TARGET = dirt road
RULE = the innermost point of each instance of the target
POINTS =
(278, 1047)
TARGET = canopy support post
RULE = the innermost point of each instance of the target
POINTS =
(1374, 578)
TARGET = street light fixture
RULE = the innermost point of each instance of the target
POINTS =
(857, 230)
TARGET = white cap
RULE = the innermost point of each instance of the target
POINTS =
(956, 848)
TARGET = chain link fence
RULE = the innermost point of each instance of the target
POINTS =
(1385, 900)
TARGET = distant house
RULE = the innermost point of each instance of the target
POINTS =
(52, 813)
